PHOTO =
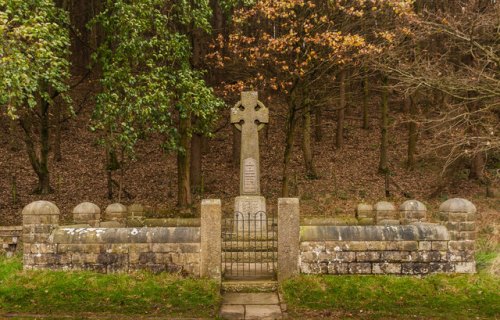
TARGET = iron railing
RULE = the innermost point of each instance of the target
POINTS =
(249, 245)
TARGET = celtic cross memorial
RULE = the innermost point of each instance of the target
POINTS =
(249, 116)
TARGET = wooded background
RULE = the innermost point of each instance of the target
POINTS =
(128, 100)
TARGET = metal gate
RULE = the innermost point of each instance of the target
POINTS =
(249, 246)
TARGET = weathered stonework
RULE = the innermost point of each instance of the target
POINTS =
(10, 239)
(413, 249)
(50, 246)
(87, 213)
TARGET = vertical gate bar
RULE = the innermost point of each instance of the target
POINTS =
(254, 244)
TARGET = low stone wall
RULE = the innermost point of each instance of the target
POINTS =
(173, 249)
(417, 248)
(10, 239)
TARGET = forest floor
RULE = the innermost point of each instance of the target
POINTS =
(346, 177)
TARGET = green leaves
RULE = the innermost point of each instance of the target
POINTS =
(34, 46)
(147, 80)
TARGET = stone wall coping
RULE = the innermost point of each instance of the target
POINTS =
(172, 222)
(457, 205)
(11, 228)
(412, 205)
(322, 221)
(374, 233)
(126, 235)
(41, 207)
(86, 207)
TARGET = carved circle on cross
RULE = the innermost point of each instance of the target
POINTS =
(259, 105)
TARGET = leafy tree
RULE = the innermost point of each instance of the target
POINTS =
(34, 70)
(452, 53)
(297, 49)
(148, 84)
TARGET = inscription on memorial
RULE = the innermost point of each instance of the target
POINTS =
(249, 175)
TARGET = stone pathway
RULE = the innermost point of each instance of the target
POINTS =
(266, 305)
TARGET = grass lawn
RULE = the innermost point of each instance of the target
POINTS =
(391, 297)
(89, 294)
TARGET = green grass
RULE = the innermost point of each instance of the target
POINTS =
(77, 293)
(390, 297)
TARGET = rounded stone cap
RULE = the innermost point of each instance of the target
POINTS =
(136, 209)
(41, 207)
(86, 208)
(412, 205)
(115, 210)
(384, 206)
(457, 205)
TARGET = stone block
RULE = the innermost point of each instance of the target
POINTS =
(116, 212)
(386, 268)
(467, 226)
(336, 256)
(288, 237)
(425, 256)
(385, 211)
(338, 268)
(439, 245)
(461, 245)
(395, 256)
(374, 233)
(463, 235)
(366, 221)
(388, 222)
(465, 267)
(86, 212)
(406, 245)
(211, 242)
(360, 268)
(367, 256)
(425, 245)
(364, 211)
(413, 210)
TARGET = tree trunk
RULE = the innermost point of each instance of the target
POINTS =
(43, 174)
(38, 158)
(184, 199)
(306, 143)
(196, 163)
(339, 139)
(236, 147)
(477, 167)
(366, 92)
(290, 139)
(412, 133)
(318, 124)
(382, 167)
(57, 129)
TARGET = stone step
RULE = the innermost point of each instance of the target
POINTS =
(264, 305)
(249, 286)
(249, 270)
(247, 236)
(228, 246)
(249, 256)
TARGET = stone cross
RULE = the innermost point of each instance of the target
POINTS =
(249, 115)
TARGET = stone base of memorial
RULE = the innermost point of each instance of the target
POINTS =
(250, 214)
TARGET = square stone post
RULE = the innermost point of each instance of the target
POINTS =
(211, 238)
(288, 237)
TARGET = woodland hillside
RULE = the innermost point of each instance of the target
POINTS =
(119, 101)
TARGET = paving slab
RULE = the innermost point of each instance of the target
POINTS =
(232, 311)
(264, 298)
(262, 312)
